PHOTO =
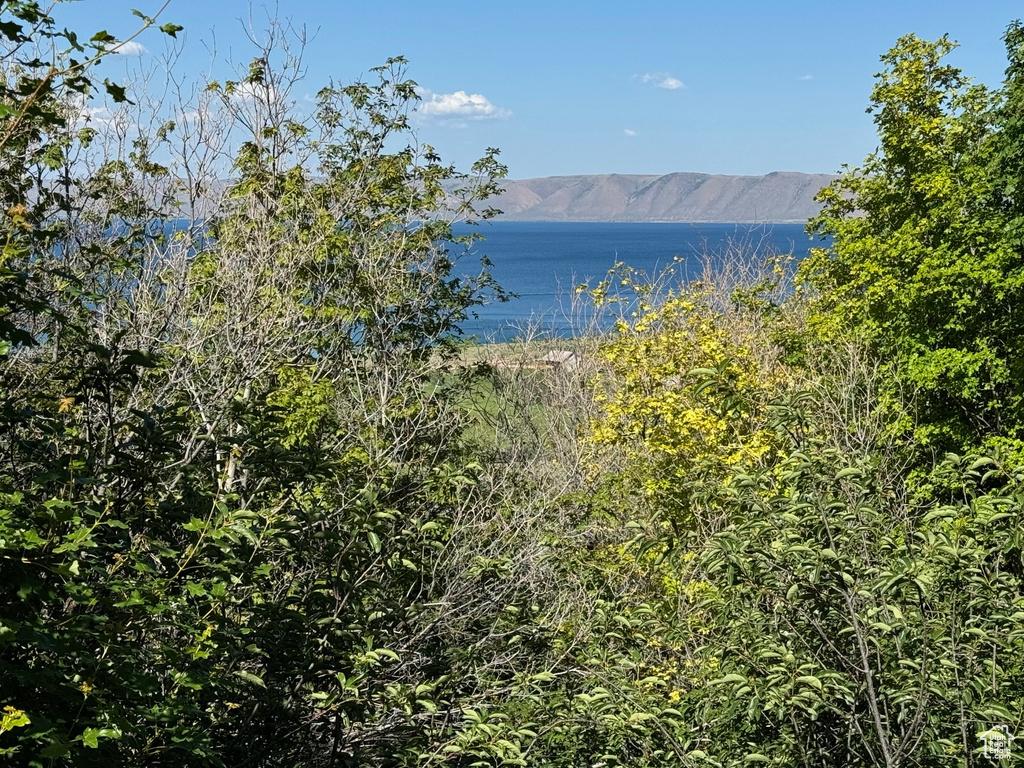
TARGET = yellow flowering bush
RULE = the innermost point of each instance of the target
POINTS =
(679, 400)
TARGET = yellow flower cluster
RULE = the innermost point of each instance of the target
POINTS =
(679, 397)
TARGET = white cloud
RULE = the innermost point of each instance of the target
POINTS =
(98, 117)
(459, 106)
(254, 92)
(662, 80)
(88, 115)
(131, 48)
(806, 77)
(192, 116)
(629, 132)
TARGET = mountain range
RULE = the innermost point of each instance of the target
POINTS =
(675, 197)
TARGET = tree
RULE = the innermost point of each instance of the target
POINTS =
(233, 498)
(920, 265)
(1007, 144)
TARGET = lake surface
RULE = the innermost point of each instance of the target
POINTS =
(543, 261)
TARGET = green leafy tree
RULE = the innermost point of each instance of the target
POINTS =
(920, 265)
(233, 500)
(1007, 145)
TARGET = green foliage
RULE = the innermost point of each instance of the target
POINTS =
(921, 264)
(242, 520)
(679, 402)
(1007, 145)
(851, 629)
(230, 471)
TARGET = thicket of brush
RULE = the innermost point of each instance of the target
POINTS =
(257, 507)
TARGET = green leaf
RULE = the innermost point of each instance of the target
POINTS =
(117, 92)
(374, 540)
(250, 677)
(13, 718)
(91, 736)
(730, 678)
(811, 681)
(55, 750)
(12, 31)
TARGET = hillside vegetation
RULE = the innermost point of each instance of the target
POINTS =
(674, 197)
(258, 506)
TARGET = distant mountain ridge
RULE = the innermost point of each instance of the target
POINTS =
(675, 197)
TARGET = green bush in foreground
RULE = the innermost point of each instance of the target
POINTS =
(848, 628)
(231, 477)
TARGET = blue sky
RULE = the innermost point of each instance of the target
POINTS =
(562, 87)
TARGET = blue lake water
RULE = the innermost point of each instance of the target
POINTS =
(543, 261)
